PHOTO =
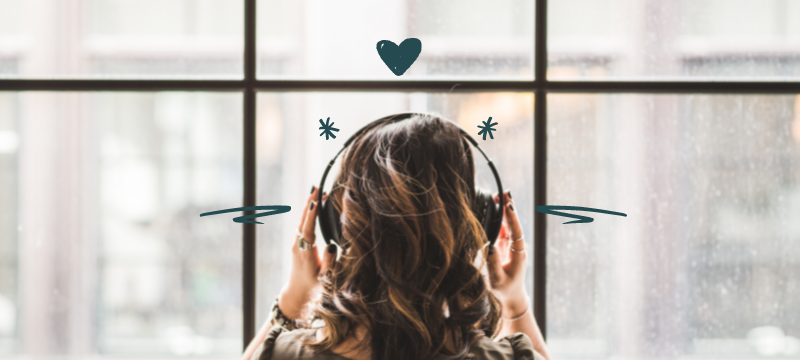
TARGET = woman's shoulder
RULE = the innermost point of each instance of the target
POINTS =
(281, 343)
(516, 346)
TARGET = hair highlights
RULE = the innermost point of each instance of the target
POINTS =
(409, 238)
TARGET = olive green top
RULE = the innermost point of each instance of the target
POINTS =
(282, 344)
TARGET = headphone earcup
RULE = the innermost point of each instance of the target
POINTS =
(329, 222)
(489, 213)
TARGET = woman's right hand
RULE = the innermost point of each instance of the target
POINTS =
(506, 268)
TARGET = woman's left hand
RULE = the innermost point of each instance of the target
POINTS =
(307, 266)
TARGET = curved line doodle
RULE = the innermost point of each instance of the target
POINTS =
(550, 209)
(276, 209)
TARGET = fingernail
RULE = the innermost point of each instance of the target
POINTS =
(332, 249)
(509, 194)
(491, 250)
(312, 189)
(511, 206)
(311, 207)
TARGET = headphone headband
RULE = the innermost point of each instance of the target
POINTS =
(491, 224)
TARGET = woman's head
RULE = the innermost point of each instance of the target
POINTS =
(410, 237)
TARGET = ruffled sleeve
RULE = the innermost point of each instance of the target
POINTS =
(515, 346)
(522, 347)
(264, 351)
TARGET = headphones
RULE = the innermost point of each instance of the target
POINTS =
(489, 213)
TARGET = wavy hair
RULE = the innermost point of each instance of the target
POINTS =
(410, 239)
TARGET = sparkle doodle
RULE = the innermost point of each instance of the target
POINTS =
(326, 128)
(487, 128)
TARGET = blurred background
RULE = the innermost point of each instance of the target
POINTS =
(103, 252)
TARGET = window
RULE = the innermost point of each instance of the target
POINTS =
(289, 164)
(105, 253)
(463, 39)
(121, 121)
(708, 270)
(666, 40)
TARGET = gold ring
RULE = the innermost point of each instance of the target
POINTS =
(302, 244)
(520, 238)
(519, 251)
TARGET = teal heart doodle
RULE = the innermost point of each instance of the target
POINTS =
(399, 58)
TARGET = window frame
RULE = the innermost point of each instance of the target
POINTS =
(540, 86)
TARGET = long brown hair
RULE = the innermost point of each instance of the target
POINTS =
(409, 240)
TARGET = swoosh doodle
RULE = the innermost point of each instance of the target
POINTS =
(550, 209)
(276, 209)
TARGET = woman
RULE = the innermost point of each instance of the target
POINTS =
(413, 281)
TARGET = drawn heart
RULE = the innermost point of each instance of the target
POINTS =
(399, 58)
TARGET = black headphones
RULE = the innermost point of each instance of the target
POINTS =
(490, 214)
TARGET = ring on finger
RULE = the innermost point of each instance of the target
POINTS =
(302, 244)
(524, 248)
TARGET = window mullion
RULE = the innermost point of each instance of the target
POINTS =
(540, 168)
(249, 175)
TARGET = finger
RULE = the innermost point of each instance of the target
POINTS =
(313, 226)
(502, 238)
(502, 242)
(494, 268)
(517, 260)
(502, 229)
(305, 209)
(328, 258)
(510, 216)
(309, 224)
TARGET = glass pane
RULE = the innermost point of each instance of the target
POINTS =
(706, 262)
(460, 39)
(121, 38)
(113, 257)
(686, 39)
(289, 163)
(9, 147)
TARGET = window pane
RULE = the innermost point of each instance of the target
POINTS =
(691, 39)
(292, 157)
(121, 38)
(9, 147)
(460, 39)
(113, 257)
(706, 262)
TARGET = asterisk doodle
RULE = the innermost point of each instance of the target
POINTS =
(326, 128)
(487, 128)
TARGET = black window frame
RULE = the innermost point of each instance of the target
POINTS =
(539, 86)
